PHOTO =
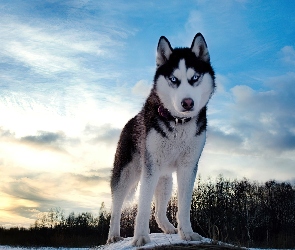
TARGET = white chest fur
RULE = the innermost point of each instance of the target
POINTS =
(180, 145)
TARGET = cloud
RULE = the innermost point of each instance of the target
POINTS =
(251, 130)
(67, 109)
(36, 177)
(88, 180)
(23, 189)
(261, 120)
(44, 138)
(215, 19)
(142, 88)
(195, 21)
(44, 152)
(4, 133)
(103, 134)
(33, 192)
(43, 48)
(59, 52)
(250, 102)
(218, 141)
(287, 55)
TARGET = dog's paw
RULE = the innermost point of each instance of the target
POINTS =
(140, 240)
(169, 229)
(113, 239)
(190, 236)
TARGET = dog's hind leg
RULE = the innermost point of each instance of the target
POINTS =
(117, 202)
(162, 196)
(128, 180)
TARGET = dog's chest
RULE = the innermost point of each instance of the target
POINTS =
(178, 143)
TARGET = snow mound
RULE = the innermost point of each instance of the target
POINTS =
(157, 239)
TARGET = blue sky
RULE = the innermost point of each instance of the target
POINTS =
(72, 73)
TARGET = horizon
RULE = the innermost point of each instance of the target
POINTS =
(43, 219)
(74, 72)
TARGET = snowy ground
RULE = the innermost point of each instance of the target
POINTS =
(157, 239)
(40, 248)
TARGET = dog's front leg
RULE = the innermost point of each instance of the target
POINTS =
(185, 179)
(148, 182)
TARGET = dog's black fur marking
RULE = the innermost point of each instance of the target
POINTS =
(125, 149)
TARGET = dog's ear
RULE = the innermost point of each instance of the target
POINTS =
(199, 47)
(164, 51)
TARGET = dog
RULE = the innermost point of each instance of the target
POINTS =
(167, 135)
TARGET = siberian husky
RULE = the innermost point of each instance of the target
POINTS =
(167, 135)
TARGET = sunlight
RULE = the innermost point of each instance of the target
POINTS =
(34, 158)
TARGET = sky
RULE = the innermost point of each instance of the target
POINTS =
(72, 73)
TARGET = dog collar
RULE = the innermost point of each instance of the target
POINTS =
(166, 114)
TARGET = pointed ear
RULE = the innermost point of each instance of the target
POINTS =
(199, 47)
(164, 51)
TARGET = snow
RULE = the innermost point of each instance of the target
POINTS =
(157, 239)
(41, 248)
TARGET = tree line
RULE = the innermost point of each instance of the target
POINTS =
(54, 229)
(239, 212)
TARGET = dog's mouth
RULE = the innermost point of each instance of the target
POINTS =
(184, 111)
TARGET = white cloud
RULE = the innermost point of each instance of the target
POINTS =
(251, 131)
(264, 118)
(142, 88)
(242, 93)
(105, 134)
(54, 49)
(45, 49)
(67, 109)
(39, 59)
(195, 22)
(287, 54)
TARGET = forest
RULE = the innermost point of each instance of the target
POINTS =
(239, 212)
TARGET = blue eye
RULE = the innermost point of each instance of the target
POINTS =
(173, 79)
(196, 77)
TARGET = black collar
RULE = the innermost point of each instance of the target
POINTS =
(166, 114)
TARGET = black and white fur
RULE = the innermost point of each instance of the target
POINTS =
(167, 135)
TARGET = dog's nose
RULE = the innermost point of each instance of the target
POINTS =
(187, 103)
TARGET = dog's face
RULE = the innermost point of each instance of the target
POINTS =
(184, 79)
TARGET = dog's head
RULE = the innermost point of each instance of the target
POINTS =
(184, 79)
